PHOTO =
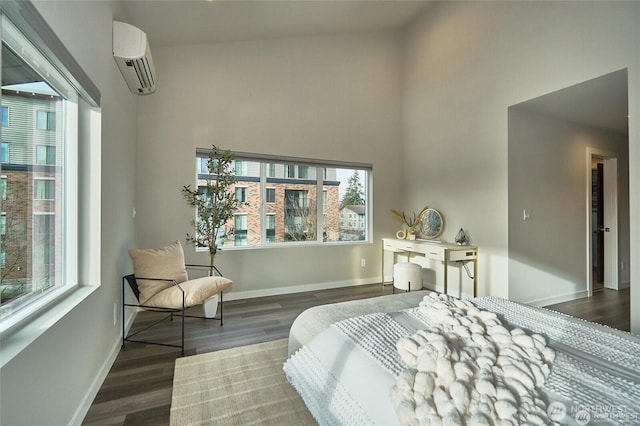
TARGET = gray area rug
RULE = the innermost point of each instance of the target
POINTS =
(238, 386)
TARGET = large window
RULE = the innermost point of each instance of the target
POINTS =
(40, 174)
(34, 236)
(293, 201)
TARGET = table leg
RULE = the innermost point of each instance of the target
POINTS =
(475, 277)
(446, 273)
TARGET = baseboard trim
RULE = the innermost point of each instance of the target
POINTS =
(558, 299)
(93, 390)
(276, 291)
(85, 405)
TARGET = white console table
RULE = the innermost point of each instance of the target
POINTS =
(443, 252)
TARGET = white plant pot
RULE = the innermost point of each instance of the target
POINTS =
(210, 306)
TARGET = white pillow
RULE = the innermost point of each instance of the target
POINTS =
(164, 262)
(195, 291)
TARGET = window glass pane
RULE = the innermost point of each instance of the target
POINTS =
(241, 194)
(271, 170)
(271, 195)
(33, 239)
(46, 155)
(3, 188)
(352, 220)
(241, 168)
(246, 190)
(296, 213)
(44, 189)
(201, 165)
(240, 232)
(270, 224)
(5, 116)
(289, 171)
(45, 120)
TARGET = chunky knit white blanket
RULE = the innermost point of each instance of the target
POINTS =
(484, 361)
(467, 368)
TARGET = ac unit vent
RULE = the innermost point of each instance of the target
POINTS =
(131, 53)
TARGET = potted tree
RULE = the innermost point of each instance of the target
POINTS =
(215, 203)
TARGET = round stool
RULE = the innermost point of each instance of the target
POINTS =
(407, 276)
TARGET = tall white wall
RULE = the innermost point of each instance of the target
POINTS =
(53, 380)
(465, 64)
(548, 177)
(334, 97)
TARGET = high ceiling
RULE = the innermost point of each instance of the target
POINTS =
(175, 23)
(600, 103)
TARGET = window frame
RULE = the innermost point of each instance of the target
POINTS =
(316, 169)
(22, 25)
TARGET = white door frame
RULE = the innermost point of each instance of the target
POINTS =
(610, 203)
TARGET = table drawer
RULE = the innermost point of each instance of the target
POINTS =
(470, 254)
(434, 253)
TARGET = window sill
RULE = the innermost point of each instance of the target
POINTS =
(290, 244)
(19, 336)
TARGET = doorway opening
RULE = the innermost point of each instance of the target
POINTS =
(602, 202)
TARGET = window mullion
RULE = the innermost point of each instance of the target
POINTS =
(319, 206)
(263, 207)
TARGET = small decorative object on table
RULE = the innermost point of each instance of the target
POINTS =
(462, 239)
(429, 224)
(409, 221)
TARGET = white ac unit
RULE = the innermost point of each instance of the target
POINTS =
(131, 53)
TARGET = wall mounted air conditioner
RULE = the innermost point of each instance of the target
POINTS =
(131, 53)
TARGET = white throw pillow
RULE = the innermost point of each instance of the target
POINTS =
(164, 262)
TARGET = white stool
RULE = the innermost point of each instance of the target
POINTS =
(407, 276)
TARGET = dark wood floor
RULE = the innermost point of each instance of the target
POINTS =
(608, 307)
(137, 390)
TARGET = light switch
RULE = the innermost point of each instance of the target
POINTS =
(526, 214)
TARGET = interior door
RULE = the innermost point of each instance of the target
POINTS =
(598, 203)
(610, 208)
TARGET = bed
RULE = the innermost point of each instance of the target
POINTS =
(427, 358)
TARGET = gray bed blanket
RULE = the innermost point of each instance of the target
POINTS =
(314, 320)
